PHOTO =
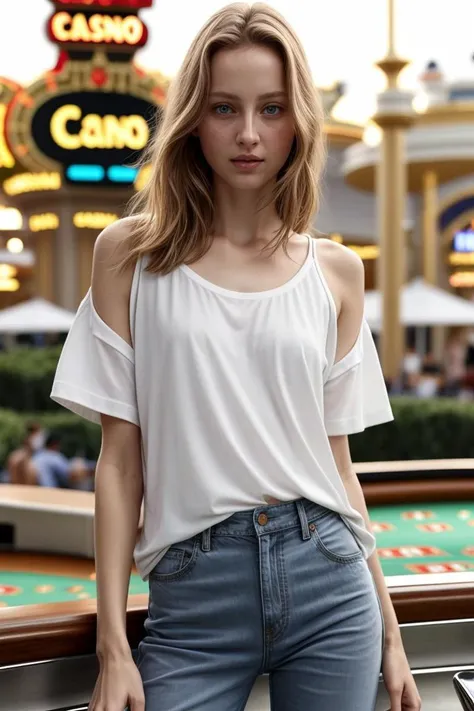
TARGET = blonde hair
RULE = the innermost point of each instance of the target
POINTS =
(174, 211)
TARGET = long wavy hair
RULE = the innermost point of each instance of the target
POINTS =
(174, 211)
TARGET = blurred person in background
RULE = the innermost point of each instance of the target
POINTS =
(53, 469)
(412, 363)
(455, 358)
(19, 463)
(431, 379)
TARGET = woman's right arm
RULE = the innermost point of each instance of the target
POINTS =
(118, 497)
(118, 491)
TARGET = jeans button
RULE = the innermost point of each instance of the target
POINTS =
(262, 519)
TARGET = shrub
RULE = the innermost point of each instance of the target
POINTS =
(12, 432)
(26, 378)
(423, 429)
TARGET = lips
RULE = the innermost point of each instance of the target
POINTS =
(247, 159)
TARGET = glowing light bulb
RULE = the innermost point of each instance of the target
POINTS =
(15, 245)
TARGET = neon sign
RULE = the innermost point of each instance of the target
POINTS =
(95, 136)
(93, 220)
(78, 28)
(131, 4)
(461, 280)
(31, 182)
(6, 158)
(44, 221)
(98, 131)
(464, 241)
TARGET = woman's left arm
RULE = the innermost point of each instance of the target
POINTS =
(344, 271)
(342, 456)
(347, 277)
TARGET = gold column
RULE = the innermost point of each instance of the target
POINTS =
(86, 240)
(431, 251)
(391, 192)
(430, 231)
(65, 258)
(394, 114)
(44, 265)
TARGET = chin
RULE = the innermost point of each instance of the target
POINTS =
(243, 181)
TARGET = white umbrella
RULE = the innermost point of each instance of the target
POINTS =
(422, 304)
(35, 316)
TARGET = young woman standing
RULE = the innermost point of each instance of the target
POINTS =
(224, 352)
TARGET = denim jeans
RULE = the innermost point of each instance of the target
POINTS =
(282, 590)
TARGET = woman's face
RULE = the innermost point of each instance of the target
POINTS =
(248, 129)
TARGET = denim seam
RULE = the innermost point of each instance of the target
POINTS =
(170, 577)
(281, 627)
(270, 527)
(334, 557)
(266, 607)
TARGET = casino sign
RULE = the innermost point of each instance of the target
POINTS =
(70, 29)
(71, 141)
(94, 134)
(91, 116)
(8, 89)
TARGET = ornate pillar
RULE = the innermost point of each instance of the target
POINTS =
(394, 114)
(430, 228)
(85, 244)
(44, 265)
(65, 262)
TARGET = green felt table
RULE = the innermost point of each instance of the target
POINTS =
(412, 540)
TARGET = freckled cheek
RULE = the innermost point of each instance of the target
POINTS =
(281, 141)
(213, 140)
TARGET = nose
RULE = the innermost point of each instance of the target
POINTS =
(247, 134)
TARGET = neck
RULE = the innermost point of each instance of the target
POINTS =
(240, 218)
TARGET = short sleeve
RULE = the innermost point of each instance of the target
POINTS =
(355, 395)
(96, 370)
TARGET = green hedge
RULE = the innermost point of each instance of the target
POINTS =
(423, 429)
(26, 378)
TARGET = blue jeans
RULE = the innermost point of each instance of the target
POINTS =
(282, 590)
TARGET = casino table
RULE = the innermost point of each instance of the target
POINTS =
(413, 540)
(422, 514)
(29, 579)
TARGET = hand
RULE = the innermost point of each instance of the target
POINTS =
(118, 686)
(398, 679)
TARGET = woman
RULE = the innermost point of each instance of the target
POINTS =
(227, 362)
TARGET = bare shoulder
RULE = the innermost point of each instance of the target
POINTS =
(343, 263)
(110, 285)
(112, 243)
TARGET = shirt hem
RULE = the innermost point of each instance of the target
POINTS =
(89, 405)
(355, 425)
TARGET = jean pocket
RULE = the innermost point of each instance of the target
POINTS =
(178, 560)
(333, 537)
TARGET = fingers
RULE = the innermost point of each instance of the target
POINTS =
(137, 704)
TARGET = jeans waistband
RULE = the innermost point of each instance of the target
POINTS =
(267, 519)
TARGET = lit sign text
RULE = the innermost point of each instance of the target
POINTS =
(44, 221)
(67, 28)
(464, 241)
(132, 4)
(93, 220)
(31, 182)
(109, 132)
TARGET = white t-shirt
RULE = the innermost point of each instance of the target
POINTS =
(235, 394)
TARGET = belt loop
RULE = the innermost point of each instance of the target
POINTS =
(206, 540)
(303, 519)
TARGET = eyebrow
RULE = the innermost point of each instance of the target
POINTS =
(267, 95)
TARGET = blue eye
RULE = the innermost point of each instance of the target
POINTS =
(274, 109)
(222, 106)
